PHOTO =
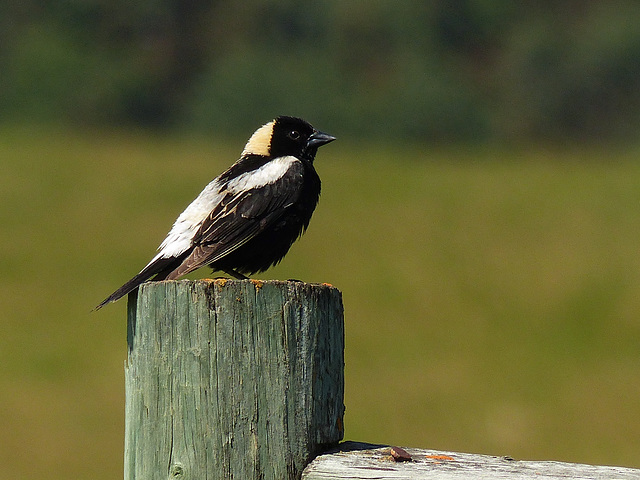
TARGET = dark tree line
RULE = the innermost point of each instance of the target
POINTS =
(457, 70)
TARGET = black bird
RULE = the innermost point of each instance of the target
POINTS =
(247, 218)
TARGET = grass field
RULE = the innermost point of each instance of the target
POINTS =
(491, 297)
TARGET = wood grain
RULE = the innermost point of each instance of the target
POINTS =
(232, 378)
(362, 461)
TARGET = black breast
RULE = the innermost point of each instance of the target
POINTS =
(280, 227)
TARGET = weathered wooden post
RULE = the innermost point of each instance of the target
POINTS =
(232, 379)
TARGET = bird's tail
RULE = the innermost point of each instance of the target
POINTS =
(159, 268)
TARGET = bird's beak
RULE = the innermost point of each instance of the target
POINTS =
(318, 139)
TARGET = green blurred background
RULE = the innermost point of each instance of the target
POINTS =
(480, 211)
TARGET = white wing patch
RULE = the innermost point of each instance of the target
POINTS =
(185, 227)
(180, 238)
(268, 173)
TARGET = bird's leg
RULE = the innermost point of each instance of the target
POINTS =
(234, 274)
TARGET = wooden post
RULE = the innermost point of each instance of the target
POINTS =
(232, 379)
(361, 461)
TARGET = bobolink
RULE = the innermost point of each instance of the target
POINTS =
(246, 219)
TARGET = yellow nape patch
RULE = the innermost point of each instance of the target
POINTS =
(260, 141)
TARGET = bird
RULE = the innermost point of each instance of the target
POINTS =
(246, 219)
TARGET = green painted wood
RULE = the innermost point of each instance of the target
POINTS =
(232, 379)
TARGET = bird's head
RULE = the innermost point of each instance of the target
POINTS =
(286, 136)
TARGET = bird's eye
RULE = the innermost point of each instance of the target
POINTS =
(294, 135)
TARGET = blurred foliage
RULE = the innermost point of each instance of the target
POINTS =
(437, 71)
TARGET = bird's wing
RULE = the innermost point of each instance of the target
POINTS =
(239, 217)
